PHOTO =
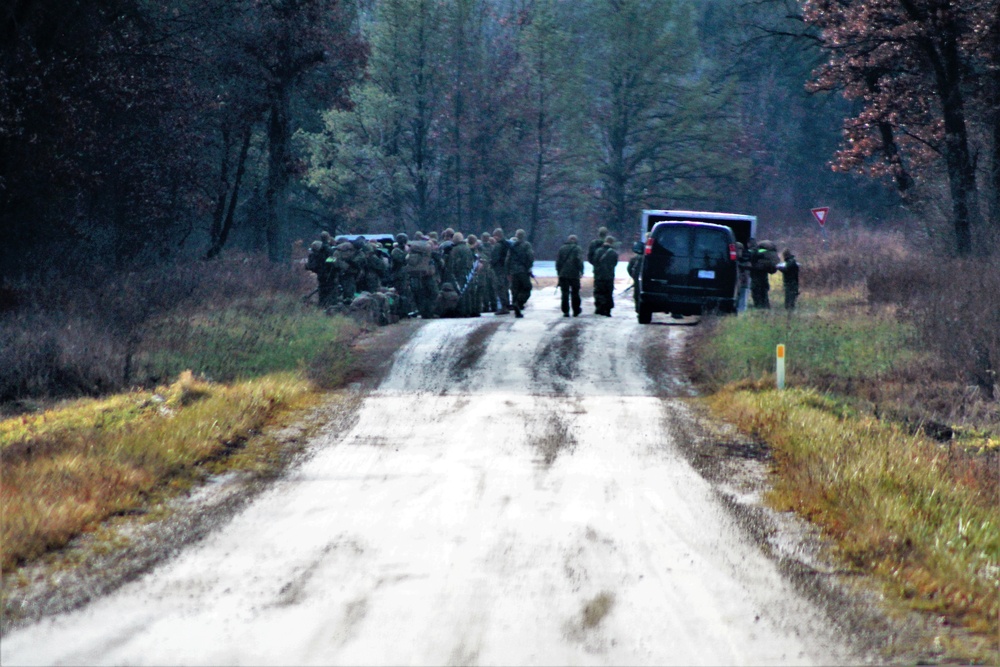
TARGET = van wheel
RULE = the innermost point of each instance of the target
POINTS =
(645, 314)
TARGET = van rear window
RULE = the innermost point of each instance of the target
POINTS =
(690, 241)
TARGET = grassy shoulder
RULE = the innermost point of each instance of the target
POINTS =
(69, 468)
(851, 452)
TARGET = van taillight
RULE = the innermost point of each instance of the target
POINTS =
(649, 245)
(732, 252)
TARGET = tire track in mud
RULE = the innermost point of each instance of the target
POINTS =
(441, 359)
(558, 362)
(555, 439)
(473, 348)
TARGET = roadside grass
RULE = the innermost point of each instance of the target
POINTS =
(67, 469)
(245, 339)
(822, 341)
(897, 504)
(877, 440)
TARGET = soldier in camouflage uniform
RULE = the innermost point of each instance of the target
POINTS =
(519, 262)
(345, 257)
(498, 262)
(605, 262)
(399, 277)
(790, 269)
(480, 275)
(487, 275)
(569, 268)
(633, 269)
(602, 234)
(763, 262)
(459, 265)
(423, 274)
(326, 275)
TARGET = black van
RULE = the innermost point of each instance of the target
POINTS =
(688, 268)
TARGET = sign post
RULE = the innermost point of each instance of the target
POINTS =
(821, 213)
(780, 367)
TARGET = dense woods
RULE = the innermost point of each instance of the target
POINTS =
(132, 133)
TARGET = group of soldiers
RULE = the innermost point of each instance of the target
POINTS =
(431, 275)
(452, 275)
(603, 256)
(757, 262)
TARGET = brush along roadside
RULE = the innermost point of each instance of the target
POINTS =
(857, 448)
(68, 469)
(897, 504)
(240, 436)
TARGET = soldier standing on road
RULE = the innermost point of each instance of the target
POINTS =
(605, 263)
(498, 262)
(569, 268)
(790, 269)
(519, 262)
(399, 277)
(488, 290)
(459, 265)
(423, 275)
(634, 267)
(602, 233)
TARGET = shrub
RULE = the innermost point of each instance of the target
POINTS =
(848, 259)
(955, 305)
(80, 335)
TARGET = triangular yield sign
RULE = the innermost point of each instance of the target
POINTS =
(820, 214)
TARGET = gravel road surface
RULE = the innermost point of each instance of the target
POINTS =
(512, 493)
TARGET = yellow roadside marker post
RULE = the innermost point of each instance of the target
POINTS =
(781, 366)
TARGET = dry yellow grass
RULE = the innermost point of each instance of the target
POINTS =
(68, 469)
(898, 505)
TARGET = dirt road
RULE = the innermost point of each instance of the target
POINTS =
(512, 493)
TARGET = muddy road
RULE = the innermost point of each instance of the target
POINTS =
(514, 492)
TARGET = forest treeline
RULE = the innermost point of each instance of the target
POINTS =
(134, 132)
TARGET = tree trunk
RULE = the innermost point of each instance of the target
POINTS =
(943, 55)
(226, 224)
(220, 201)
(276, 195)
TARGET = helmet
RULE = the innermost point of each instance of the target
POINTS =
(401, 239)
(316, 245)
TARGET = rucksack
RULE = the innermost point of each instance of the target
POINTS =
(766, 256)
(418, 259)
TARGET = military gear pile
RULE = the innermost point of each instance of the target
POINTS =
(379, 281)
